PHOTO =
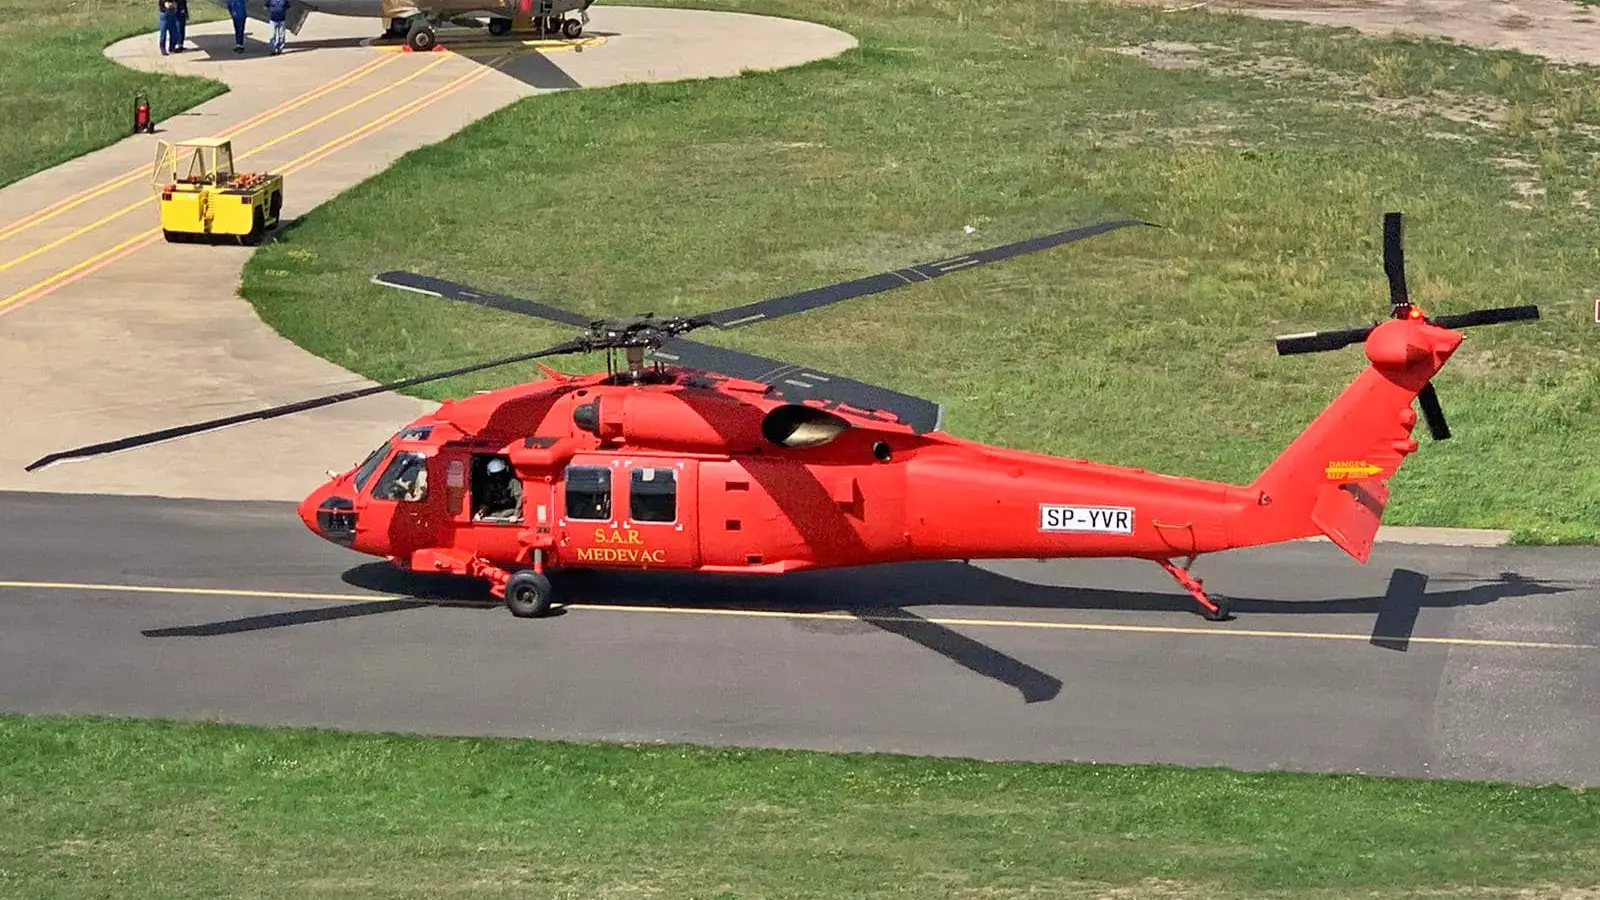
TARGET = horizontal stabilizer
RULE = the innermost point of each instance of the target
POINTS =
(1350, 513)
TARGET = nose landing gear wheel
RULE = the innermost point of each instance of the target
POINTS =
(572, 28)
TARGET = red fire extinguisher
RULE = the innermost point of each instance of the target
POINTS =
(141, 114)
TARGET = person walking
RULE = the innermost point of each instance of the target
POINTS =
(236, 9)
(181, 25)
(167, 20)
(278, 12)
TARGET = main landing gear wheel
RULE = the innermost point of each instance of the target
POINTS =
(420, 36)
(571, 28)
(499, 27)
(528, 594)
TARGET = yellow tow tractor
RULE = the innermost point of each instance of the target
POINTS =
(201, 194)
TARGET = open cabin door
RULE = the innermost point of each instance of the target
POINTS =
(500, 503)
(628, 512)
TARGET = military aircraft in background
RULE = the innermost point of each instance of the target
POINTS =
(415, 20)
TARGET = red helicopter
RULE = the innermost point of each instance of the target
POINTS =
(715, 460)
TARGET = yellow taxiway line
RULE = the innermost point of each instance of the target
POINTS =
(87, 194)
(1030, 624)
(106, 257)
(111, 217)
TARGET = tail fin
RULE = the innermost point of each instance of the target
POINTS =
(1333, 478)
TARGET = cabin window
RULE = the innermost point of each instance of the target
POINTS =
(370, 464)
(496, 490)
(589, 493)
(405, 479)
(653, 494)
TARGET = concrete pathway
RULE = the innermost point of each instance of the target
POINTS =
(108, 331)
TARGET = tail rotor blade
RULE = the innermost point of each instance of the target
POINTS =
(1486, 316)
(1433, 413)
(1394, 259)
(1318, 341)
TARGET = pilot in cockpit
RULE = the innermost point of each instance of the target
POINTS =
(501, 497)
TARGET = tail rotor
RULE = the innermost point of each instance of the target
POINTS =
(1400, 307)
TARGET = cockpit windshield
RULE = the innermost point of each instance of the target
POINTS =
(370, 464)
(406, 478)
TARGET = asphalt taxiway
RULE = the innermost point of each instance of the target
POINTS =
(1466, 662)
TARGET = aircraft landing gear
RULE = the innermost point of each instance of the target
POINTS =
(571, 28)
(528, 594)
(499, 27)
(419, 36)
(1210, 609)
(396, 30)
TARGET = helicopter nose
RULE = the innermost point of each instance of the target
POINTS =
(329, 515)
(308, 510)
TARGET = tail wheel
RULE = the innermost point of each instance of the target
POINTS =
(528, 594)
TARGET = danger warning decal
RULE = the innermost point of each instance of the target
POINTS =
(1102, 519)
(1341, 469)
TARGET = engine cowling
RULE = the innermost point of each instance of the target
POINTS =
(704, 423)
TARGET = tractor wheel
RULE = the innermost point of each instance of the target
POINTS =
(275, 209)
(258, 228)
(420, 37)
(528, 594)
(572, 28)
(499, 27)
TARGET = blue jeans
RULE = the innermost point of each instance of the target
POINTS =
(238, 30)
(277, 35)
(182, 26)
(168, 22)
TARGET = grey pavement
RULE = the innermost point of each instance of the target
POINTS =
(96, 344)
(1330, 666)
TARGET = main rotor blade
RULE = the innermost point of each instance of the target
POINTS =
(1433, 413)
(795, 383)
(449, 290)
(167, 434)
(1394, 259)
(789, 304)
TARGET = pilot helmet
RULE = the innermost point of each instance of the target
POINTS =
(496, 466)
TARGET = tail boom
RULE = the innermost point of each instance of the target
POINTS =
(1332, 480)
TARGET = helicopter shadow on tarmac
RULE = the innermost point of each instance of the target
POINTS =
(946, 584)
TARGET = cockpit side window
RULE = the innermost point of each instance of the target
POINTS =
(405, 479)
(370, 464)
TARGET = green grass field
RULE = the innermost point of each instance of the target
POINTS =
(60, 96)
(141, 809)
(1269, 150)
